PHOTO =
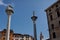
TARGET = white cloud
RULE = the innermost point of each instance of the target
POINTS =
(2, 3)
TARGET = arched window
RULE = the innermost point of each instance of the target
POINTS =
(54, 35)
(51, 17)
(52, 26)
(58, 13)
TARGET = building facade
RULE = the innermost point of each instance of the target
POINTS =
(3, 34)
(53, 17)
(15, 36)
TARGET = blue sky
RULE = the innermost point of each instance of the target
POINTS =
(21, 19)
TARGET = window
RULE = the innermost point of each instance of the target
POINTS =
(51, 17)
(3, 38)
(58, 13)
(21, 39)
(16, 39)
(22, 36)
(56, 5)
(27, 37)
(52, 25)
(50, 10)
(59, 22)
(54, 35)
(16, 36)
